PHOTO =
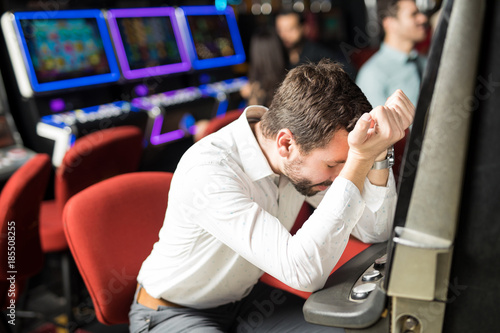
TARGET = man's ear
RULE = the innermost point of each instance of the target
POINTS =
(284, 142)
(389, 23)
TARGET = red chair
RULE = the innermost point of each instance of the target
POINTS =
(93, 158)
(110, 241)
(19, 239)
(217, 123)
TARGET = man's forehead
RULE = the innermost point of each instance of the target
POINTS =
(336, 150)
(288, 17)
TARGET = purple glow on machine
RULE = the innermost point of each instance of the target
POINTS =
(148, 41)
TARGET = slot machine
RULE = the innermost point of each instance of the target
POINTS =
(148, 43)
(64, 65)
(13, 154)
(214, 42)
(210, 40)
(439, 270)
(156, 46)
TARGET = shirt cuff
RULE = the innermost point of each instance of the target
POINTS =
(374, 196)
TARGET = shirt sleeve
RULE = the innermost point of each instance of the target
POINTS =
(376, 222)
(221, 203)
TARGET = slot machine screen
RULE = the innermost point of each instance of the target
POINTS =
(148, 41)
(213, 37)
(65, 49)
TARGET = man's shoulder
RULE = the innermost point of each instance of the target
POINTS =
(377, 60)
(213, 146)
(374, 66)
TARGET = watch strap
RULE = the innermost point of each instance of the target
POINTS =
(387, 163)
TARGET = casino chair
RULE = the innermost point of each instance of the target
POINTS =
(110, 241)
(93, 158)
(19, 239)
(215, 124)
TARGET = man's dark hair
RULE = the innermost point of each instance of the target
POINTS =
(313, 102)
(388, 8)
(286, 11)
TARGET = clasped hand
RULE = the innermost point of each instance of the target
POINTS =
(382, 127)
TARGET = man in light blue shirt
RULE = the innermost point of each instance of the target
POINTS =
(396, 65)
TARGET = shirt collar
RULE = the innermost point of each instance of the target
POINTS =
(398, 55)
(252, 158)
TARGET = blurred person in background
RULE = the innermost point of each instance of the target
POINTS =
(291, 30)
(268, 63)
(396, 65)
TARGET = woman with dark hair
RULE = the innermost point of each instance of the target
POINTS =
(267, 67)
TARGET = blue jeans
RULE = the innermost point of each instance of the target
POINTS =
(265, 309)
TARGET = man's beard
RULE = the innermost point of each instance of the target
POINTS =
(303, 185)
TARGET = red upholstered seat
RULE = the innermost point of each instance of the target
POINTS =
(19, 211)
(217, 123)
(94, 157)
(111, 227)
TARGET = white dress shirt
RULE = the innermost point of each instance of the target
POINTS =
(228, 221)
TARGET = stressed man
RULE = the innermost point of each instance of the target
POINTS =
(236, 194)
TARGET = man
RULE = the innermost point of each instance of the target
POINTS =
(290, 29)
(396, 65)
(236, 193)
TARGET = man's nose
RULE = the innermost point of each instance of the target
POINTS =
(422, 18)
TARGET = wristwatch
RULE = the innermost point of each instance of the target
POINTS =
(387, 163)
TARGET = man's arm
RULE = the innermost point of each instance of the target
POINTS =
(224, 205)
(373, 134)
(368, 142)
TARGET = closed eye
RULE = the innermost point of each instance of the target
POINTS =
(331, 166)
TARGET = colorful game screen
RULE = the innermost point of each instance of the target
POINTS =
(66, 49)
(213, 37)
(148, 41)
